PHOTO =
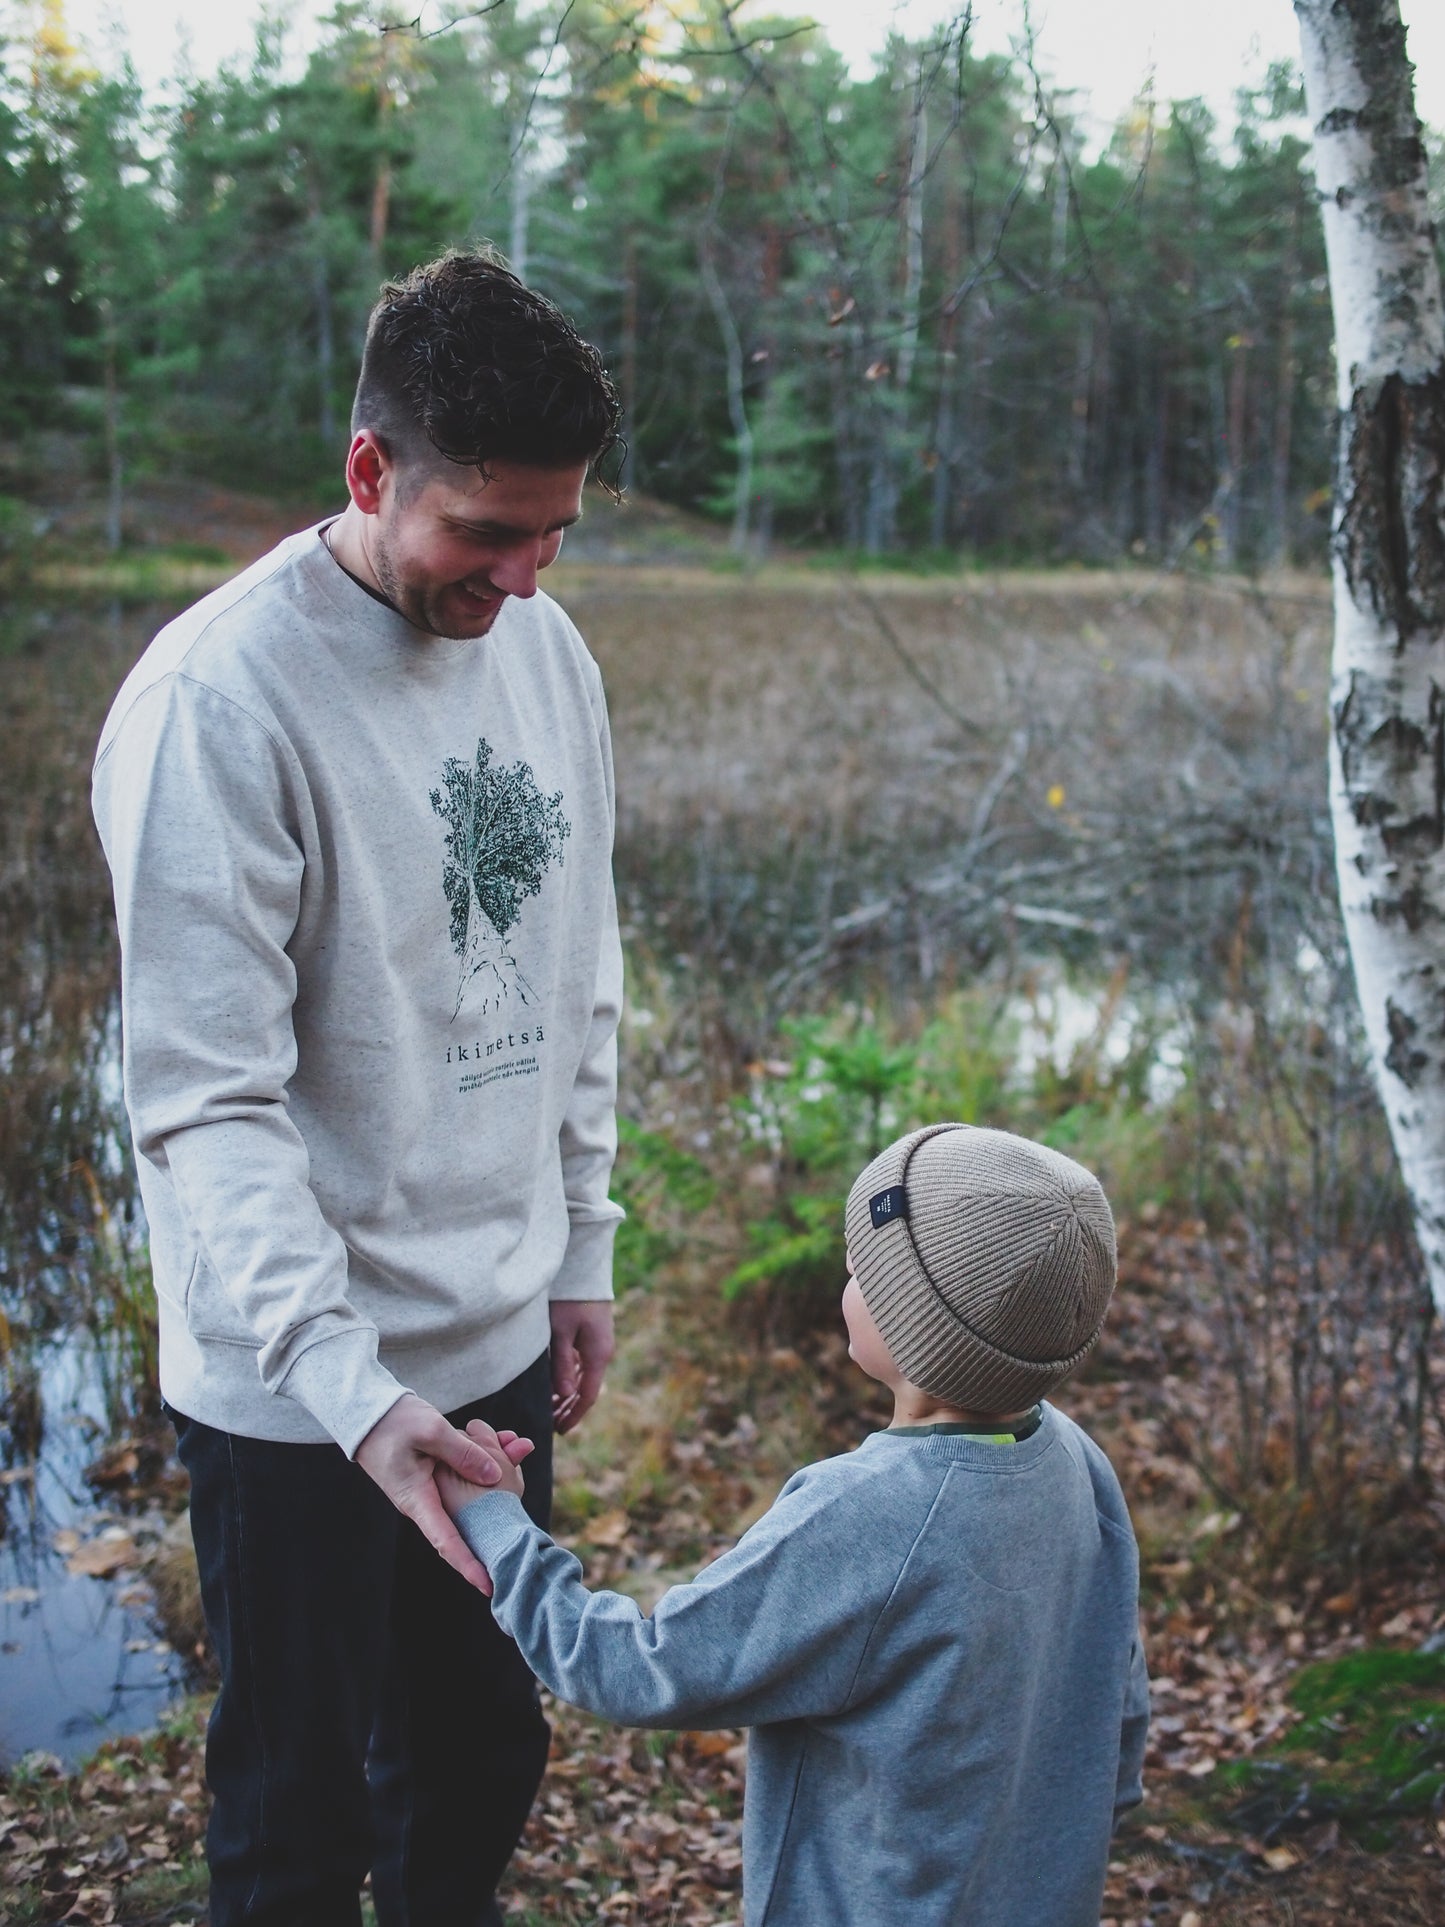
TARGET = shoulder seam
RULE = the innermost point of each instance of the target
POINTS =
(181, 674)
(220, 695)
(208, 689)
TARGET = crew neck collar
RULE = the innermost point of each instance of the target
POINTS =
(370, 617)
(324, 531)
(970, 1450)
(997, 1434)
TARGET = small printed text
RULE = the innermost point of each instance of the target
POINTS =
(496, 1058)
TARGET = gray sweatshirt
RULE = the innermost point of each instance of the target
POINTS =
(370, 989)
(936, 1643)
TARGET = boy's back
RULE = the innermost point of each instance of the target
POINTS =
(935, 1639)
(997, 1716)
(935, 1642)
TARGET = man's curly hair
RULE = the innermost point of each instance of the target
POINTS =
(464, 362)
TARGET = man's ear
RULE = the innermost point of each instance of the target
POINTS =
(369, 469)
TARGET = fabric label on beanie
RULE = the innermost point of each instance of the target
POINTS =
(887, 1205)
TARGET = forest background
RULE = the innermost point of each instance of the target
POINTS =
(966, 638)
(894, 311)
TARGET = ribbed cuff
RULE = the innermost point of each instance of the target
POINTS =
(344, 1385)
(586, 1271)
(492, 1522)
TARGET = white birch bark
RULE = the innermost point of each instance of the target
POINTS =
(737, 402)
(1387, 750)
(115, 469)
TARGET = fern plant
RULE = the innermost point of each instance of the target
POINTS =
(661, 1188)
(843, 1096)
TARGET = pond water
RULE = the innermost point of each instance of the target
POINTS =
(80, 1652)
(81, 1655)
(1056, 1017)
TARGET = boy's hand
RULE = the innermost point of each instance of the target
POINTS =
(404, 1451)
(505, 1451)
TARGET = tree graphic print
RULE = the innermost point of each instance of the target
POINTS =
(502, 836)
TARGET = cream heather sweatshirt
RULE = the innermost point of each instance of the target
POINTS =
(370, 988)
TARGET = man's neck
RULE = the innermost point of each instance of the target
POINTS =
(346, 539)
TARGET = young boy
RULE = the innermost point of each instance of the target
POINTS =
(935, 1638)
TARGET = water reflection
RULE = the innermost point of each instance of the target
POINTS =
(78, 1654)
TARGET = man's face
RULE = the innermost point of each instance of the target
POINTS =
(448, 554)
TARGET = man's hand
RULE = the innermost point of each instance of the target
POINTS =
(582, 1346)
(506, 1451)
(403, 1452)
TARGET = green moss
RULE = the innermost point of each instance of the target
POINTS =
(1369, 1748)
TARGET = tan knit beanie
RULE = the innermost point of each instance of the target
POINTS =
(987, 1262)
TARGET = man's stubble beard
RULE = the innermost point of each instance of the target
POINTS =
(413, 607)
(420, 609)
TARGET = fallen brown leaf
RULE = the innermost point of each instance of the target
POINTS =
(99, 1558)
(608, 1530)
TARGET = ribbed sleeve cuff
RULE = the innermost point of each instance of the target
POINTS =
(343, 1384)
(493, 1522)
(587, 1263)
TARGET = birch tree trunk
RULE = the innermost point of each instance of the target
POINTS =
(325, 326)
(1387, 751)
(381, 180)
(521, 205)
(737, 404)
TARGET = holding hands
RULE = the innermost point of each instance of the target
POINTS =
(429, 1469)
(504, 1453)
(413, 1450)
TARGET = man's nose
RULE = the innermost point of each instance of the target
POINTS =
(515, 571)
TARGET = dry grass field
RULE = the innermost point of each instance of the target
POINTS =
(781, 700)
(925, 770)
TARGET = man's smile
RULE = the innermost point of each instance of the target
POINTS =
(484, 598)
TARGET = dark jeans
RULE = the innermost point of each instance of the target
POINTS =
(371, 1714)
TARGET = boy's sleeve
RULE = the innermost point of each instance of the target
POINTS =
(1134, 1734)
(774, 1630)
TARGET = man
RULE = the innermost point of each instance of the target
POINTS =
(358, 809)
